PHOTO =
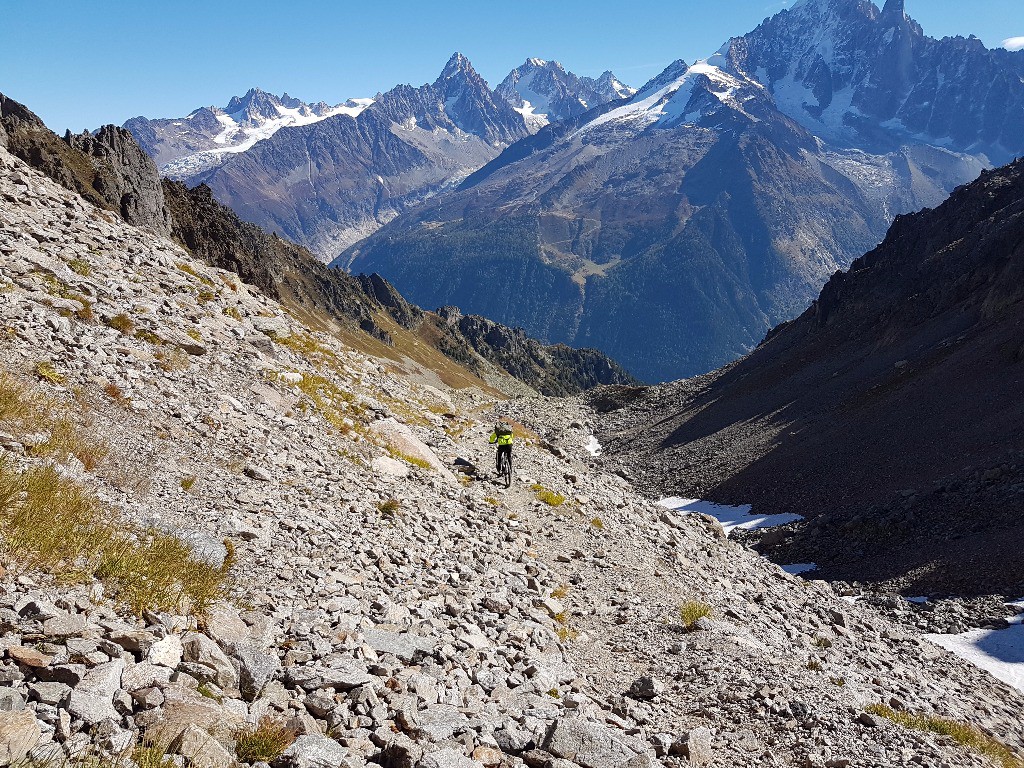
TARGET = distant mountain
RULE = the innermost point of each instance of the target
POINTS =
(331, 182)
(544, 92)
(889, 413)
(188, 146)
(673, 229)
(872, 79)
(111, 171)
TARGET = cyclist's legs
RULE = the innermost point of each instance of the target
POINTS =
(502, 449)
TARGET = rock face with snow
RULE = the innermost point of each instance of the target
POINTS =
(889, 413)
(544, 92)
(188, 146)
(872, 79)
(673, 230)
(332, 182)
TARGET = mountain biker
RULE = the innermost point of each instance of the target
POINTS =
(502, 435)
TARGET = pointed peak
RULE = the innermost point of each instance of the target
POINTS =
(672, 72)
(895, 8)
(535, 62)
(457, 64)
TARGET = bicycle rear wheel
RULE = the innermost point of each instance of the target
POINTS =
(506, 470)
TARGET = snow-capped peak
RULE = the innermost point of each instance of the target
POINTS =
(543, 92)
(684, 94)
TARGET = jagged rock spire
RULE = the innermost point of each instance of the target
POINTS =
(895, 8)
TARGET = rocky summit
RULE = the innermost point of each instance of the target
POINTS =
(384, 602)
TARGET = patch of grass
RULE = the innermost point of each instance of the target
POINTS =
(560, 591)
(149, 337)
(121, 323)
(598, 523)
(814, 665)
(188, 483)
(264, 742)
(962, 733)
(550, 498)
(115, 392)
(492, 501)
(693, 611)
(303, 343)
(389, 507)
(46, 372)
(333, 403)
(67, 438)
(416, 461)
(205, 297)
(566, 633)
(189, 270)
(85, 314)
(16, 402)
(233, 313)
(55, 525)
(172, 358)
(152, 755)
(80, 267)
(204, 690)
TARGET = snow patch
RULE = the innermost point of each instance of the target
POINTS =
(795, 569)
(1000, 652)
(730, 517)
(593, 446)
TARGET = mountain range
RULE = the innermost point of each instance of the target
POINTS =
(673, 229)
(109, 170)
(327, 176)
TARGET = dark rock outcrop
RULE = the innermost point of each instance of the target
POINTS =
(107, 168)
(890, 413)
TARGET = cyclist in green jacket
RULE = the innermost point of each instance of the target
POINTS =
(502, 435)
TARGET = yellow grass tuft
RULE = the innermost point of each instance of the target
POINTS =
(264, 742)
(55, 525)
(962, 733)
(693, 611)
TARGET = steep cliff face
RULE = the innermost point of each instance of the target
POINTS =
(873, 79)
(108, 169)
(890, 413)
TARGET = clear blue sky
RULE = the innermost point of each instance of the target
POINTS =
(80, 63)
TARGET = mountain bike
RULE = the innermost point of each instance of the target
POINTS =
(505, 469)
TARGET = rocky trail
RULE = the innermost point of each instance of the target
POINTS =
(383, 607)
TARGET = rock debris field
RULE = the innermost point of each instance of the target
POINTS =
(384, 607)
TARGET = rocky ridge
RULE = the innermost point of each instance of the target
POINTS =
(330, 183)
(544, 92)
(392, 614)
